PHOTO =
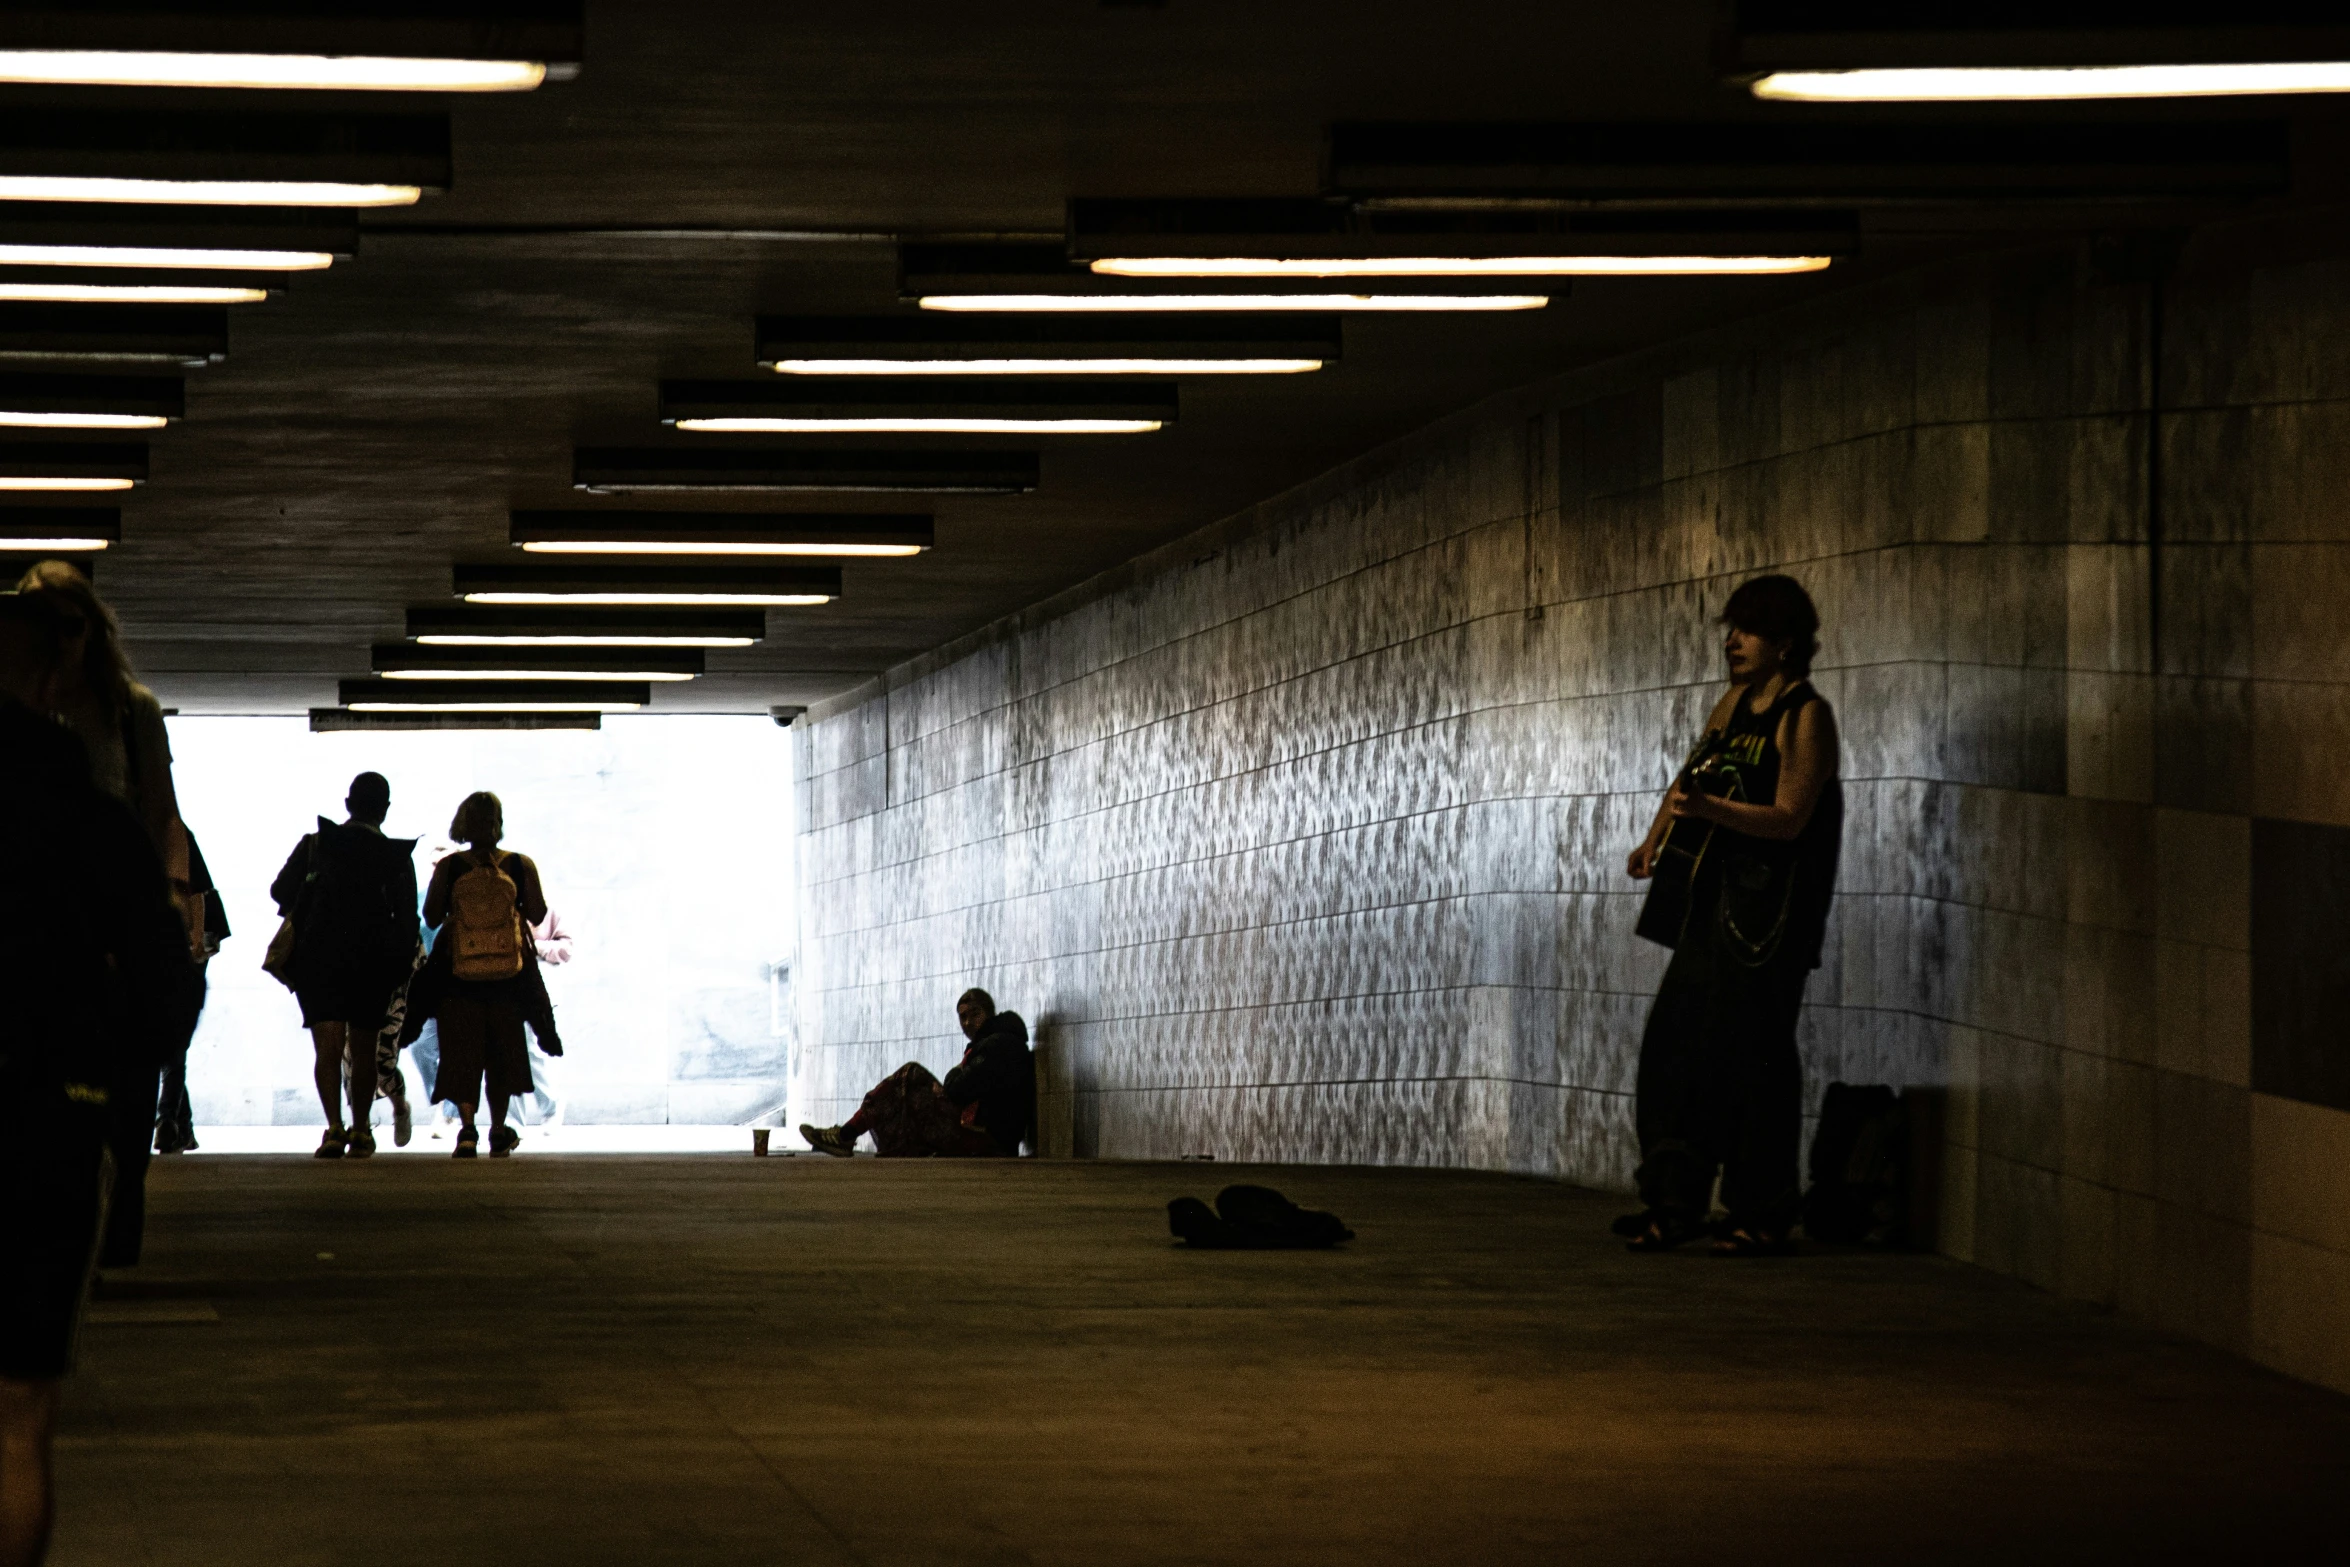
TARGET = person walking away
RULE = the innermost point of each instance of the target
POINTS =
(982, 1110)
(481, 903)
(175, 1118)
(94, 693)
(351, 895)
(101, 987)
(1720, 1084)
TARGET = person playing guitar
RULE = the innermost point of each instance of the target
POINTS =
(1741, 861)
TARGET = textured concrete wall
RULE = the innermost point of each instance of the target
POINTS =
(1302, 839)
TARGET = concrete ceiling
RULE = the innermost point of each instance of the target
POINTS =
(721, 158)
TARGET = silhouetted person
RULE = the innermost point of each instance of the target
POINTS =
(982, 1109)
(483, 973)
(351, 893)
(100, 987)
(175, 1116)
(1720, 1084)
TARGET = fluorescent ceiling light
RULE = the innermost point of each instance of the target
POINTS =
(52, 546)
(574, 639)
(1455, 266)
(82, 421)
(1977, 84)
(645, 596)
(206, 193)
(1363, 302)
(64, 484)
(912, 424)
(130, 294)
(714, 547)
(532, 674)
(1045, 366)
(157, 256)
(310, 72)
(444, 705)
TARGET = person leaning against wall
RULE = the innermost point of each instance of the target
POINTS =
(482, 981)
(1742, 860)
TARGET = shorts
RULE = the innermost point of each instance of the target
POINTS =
(54, 1182)
(480, 1038)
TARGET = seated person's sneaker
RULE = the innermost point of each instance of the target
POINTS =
(831, 1140)
(331, 1145)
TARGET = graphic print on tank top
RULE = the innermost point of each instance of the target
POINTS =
(1770, 895)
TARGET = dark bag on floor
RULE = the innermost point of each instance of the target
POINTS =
(1253, 1218)
(1859, 1168)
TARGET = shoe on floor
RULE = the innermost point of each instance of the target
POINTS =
(468, 1144)
(331, 1145)
(361, 1144)
(503, 1140)
(403, 1123)
(831, 1140)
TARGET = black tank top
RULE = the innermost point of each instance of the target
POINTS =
(1771, 895)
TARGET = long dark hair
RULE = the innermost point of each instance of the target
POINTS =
(1777, 609)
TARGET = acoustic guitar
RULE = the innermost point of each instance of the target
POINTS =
(1673, 879)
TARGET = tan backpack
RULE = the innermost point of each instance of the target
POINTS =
(485, 922)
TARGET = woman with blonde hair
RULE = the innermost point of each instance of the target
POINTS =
(117, 720)
(483, 901)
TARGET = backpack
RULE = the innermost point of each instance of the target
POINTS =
(347, 925)
(485, 923)
(1859, 1168)
(1253, 1218)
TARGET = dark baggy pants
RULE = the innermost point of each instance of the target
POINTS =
(175, 1118)
(910, 1118)
(1721, 1087)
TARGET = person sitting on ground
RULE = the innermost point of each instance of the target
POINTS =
(983, 1109)
(351, 894)
(101, 988)
(482, 980)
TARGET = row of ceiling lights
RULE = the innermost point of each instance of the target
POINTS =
(1126, 296)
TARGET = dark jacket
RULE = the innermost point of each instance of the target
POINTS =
(351, 893)
(998, 1074)
(94, 959)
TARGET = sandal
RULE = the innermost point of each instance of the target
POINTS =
(1664, 1232)
(1754, 1243)
(468, 1144)
(502, 1141)
(1632, 1225)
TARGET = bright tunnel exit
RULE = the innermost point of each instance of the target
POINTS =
(665, 846)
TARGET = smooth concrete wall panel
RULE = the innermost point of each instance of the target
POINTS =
(1301, 839)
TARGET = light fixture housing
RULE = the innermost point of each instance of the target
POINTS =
(950, 405)
(63, 467)
(410, 661)
(834, 534)
(59, 530)
(1570, 166)
(544, 32)
(1319, 240)
(1940, 51)
(339, 720)
(626, 582)
(621, 470)
(89, 402)
(188, 335)
(1127, 344)
(500, 625)
(490, 696)
(1040, 280)
(215, 157)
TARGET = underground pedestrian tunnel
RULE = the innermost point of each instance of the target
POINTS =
(1209, 523)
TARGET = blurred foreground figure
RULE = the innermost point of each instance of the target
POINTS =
(984, 1108)
(101, 988)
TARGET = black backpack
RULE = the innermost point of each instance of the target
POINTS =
(349, 920)
(1253, 1218)
(1859, 1168)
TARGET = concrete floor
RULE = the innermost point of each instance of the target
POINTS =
(682, 1360)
